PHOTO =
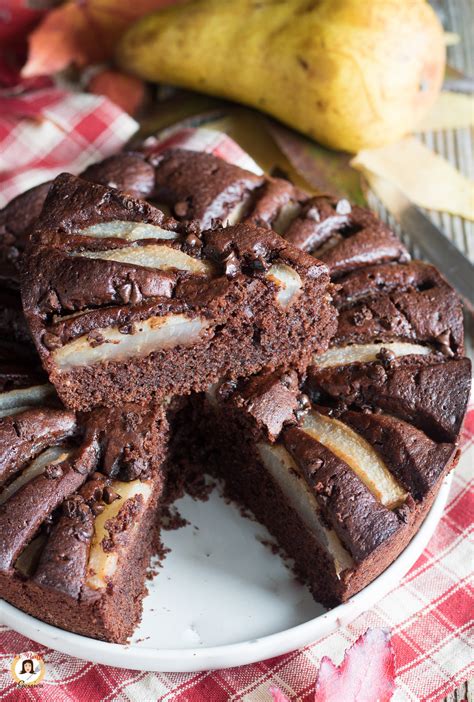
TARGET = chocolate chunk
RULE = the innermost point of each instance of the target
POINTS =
(51, 341)
(231, 265)
(110, 495)
(125, 292)
(386, 356)
(53, 471)
(135, 295)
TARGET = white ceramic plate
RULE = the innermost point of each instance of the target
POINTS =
(223, 599)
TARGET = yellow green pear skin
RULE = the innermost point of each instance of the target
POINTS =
(352, 74)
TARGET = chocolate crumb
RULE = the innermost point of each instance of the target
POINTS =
(231, 265)
(361, 316)
(51, 341)
(53, 472)
(95, 338)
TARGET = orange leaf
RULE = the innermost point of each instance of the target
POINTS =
(126, 91)
(82, 32)
(63, 37)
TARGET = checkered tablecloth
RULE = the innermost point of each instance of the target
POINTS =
(45, 132)
(429, 614)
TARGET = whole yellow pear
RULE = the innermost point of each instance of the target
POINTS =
(352, 74)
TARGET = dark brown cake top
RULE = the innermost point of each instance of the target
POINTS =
(410, 302)
(116, 259)
(126, 171)
(55, 462)
(199, 186)
(344, 236)
(204, 187)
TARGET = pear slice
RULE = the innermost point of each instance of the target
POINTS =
(27, 561)
(238, 212)
(364, 353)
(153, 256)
(285, 217)
(13, 411)
(211, 394)
(49, 457)
(287, 475)
(103, 564)
(24, 397)
(288, 282)
(131, 231)
(152, 334)
(359, 455)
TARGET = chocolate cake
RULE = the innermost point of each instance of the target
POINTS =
(125, 303)
(343, 466)
(176, 293)
(78, 506)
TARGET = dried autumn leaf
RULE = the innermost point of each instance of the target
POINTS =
(426, 178)
(277, 695)
(63, 37)
(250, 130)
(126, 91)
(450, 111)
(367, 673)
(82, 32)
(181, 110)
(16, 20)
(325, 170)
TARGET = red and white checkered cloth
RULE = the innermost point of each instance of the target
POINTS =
(429, 613)
(45, 132)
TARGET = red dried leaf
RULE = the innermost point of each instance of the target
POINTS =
(17, 19)
(367, 673)
(82, 32)
(126, 91)
(277, 695)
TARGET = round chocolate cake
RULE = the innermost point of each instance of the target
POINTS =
(285, 343)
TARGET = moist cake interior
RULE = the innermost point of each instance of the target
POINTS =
(125, 304)
(337, 439)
